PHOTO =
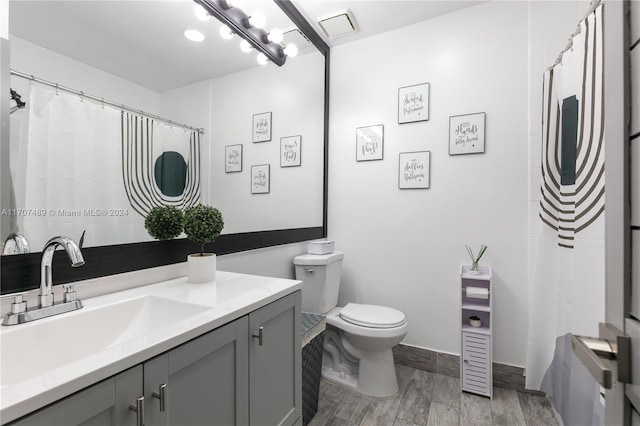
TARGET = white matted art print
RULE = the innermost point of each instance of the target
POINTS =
(466, 134)
(260, 177)
(290, 150)
(262, 127)
(413, 103)
(413, 170)
(369, 143)
(233, 158)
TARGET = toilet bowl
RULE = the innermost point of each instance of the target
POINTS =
(363, 339)
(358, 339)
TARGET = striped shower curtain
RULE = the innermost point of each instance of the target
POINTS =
(566, 294)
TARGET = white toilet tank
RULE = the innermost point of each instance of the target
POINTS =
(321, 276)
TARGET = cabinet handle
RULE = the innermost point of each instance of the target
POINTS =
(259, 336)
(162, 396)
(138, 407)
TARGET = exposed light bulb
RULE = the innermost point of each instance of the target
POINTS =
(262, 59)
(257, 20)
(226, 33)
(194, 35)
(201, 13)
(245, 46)
(275, 36)
(291, 50)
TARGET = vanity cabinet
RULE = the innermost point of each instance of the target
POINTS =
(105, 403)
(275, 363)
(205, 381)
(247, 372)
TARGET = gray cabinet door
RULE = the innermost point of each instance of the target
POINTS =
(206, 380)
(103, 404)
(275, 363)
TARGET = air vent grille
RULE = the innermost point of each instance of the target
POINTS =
(338, 24)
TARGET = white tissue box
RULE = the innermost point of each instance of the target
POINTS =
(321, 247)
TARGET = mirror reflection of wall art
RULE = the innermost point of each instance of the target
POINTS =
(260, 179)
(233, 158)
(262, 127)
(413, 171)
(413, 103)
(290, 149)
(369, 143)
(466, 134)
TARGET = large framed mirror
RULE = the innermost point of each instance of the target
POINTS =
(112, 90)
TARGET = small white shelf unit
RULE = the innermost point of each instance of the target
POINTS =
(476, 369)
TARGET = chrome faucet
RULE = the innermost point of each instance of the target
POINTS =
(46, 284)
(46, 307)
(20, 244)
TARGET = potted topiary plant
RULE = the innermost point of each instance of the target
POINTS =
(202, 224)
(164, 222)
(474, 321)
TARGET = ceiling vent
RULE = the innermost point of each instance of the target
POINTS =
(296, 37)
(338, 24)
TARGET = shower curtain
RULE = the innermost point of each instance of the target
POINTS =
(567, 292)
(70, 170)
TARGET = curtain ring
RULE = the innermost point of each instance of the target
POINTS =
(102, 103)
(81, 96)
(57, 89)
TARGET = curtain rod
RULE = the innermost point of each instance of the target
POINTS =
(592, 7)
(104, 101)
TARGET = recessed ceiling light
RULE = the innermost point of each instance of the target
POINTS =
(194, 35)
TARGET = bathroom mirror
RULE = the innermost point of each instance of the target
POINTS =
(220, 91)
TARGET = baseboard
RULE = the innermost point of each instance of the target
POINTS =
(504, 376)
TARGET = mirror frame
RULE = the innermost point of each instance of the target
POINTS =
(22, 272)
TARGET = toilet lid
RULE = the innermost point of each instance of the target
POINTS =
(372, 316)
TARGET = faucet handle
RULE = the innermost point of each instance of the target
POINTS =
(69, 293)
(19, 305)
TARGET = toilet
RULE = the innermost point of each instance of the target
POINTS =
(358, 339)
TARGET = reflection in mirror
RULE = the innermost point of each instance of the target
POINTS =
(81, 166)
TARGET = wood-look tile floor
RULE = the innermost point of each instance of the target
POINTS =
(430, 399)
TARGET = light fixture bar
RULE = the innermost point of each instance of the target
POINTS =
(238, 22)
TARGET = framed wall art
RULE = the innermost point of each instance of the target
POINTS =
(466, 134)
(262, 127)
(370, 143)
(290, 150)
(414, 170)
(233, 158)
(260, 177)
(413, 103)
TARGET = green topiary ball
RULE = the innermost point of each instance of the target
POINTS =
(164, 222)
(202, 224)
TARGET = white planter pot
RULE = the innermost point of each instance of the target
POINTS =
(202, 269)
(475, 323)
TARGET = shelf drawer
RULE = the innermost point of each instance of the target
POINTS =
(476, 363)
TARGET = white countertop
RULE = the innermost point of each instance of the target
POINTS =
(230, 297)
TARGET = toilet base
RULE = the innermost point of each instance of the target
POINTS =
(376, 375)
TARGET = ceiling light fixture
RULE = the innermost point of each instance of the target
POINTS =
(275, 36)
(201, 13)
(194, 35)
(262, 59)
(257, 20)
(291, 50)
(240, 24)
(226, 33)
(245, 46)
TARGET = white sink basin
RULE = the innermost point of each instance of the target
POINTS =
(36, 348)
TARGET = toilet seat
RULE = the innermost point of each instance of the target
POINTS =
(372, 316)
